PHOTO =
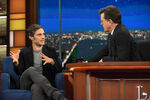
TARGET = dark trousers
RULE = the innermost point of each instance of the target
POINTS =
(39, 85)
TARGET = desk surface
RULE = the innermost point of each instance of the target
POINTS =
(108, 65)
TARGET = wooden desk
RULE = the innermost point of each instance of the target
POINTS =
(107, 80)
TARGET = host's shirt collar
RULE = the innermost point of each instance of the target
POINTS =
(113, 30)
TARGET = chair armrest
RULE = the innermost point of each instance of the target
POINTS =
(5, 81)
(59, 80)
(12, 94)
(16, 94)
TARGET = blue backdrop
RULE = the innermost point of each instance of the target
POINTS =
(81, 15)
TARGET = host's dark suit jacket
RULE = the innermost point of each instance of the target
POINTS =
(49, 70)
(120, 47)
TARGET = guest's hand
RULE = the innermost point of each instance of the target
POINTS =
(15, 57)
(47, 59)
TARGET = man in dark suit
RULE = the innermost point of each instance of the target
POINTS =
(120, 45)
(37, 66)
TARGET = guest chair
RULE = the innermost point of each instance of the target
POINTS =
(8, 77)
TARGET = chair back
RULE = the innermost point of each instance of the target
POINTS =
(7, 67)
(143, 47)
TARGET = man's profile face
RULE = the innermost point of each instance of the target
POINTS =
(39, 37)
(105, 23)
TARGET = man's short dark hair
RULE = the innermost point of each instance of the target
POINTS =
(32, 29)
(111, 12)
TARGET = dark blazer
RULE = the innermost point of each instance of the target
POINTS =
(120, 47)
(49, 70)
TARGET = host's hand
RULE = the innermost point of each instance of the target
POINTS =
(101, 60)
(15, 57)
(47, 59)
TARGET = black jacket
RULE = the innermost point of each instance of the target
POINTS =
(49, 70)
(120, 47)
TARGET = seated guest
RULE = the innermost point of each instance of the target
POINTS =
(120, 44)
(37, 66)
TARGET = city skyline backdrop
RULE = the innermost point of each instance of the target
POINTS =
(82, 15)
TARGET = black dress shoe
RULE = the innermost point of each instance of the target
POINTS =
(56, 95)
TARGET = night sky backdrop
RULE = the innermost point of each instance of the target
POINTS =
(82, 15)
